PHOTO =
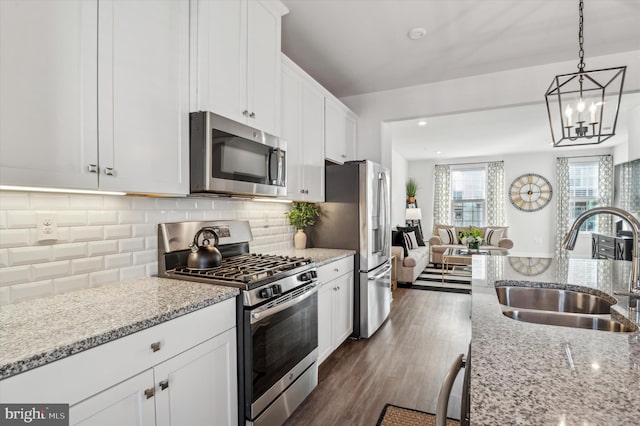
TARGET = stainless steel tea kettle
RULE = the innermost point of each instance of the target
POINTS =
(204, 256)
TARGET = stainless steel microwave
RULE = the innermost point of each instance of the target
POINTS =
(228, 157)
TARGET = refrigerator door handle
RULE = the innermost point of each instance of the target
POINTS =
(381, 274)
(383, 225)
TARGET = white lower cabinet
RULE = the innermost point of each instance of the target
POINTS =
(180, 372)
(335, 305)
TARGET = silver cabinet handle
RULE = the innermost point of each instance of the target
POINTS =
(92, 168)
(155, 346)
(302, 191)
(336, 269)
(245, 112)
(149, 392)
(164, 384)
(109, 171)
(252, 115)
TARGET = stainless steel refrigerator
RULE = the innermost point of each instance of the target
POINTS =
(356, 215)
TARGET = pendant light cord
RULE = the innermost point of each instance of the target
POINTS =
(581, 38)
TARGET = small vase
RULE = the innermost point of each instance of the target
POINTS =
(474, 246)
(300, 240)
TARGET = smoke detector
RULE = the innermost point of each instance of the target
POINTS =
(417, 33)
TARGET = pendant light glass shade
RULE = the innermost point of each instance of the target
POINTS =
(583, 106)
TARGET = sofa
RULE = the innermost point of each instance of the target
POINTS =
(411, 264)
(498, 240)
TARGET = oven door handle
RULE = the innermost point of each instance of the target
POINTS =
(260, 315)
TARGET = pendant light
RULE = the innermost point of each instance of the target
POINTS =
(583, 106)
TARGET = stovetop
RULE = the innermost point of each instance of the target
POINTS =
(247, 271)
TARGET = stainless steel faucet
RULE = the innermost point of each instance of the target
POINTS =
(634, 283)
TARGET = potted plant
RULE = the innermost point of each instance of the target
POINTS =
(302, 215)
(412, 188)
(471, 237)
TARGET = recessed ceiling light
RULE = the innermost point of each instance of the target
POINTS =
(438, 152)
(422, 123)
(417, 33)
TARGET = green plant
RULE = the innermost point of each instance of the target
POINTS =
(472, 235)
(302, 214)
(412, 188)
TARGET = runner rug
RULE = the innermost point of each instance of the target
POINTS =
(431, 279)
(393, 415)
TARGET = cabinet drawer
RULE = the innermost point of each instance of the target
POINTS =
(333, 270)
(607, 252)
(608, 241)
(111, 363)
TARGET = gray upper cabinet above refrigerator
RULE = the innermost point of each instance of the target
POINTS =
(103, 103)
(236, 60)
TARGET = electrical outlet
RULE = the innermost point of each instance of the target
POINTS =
(47, 226)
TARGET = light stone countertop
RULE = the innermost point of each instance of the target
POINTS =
(320, 256)
(524, 373)
(40, 331)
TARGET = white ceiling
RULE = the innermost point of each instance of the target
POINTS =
(361, 46)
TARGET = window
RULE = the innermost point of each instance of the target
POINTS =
(468, 194)
(583, 192)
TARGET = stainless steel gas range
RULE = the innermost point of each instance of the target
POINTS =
(277, 315)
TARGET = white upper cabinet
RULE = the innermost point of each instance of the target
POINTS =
(303, 130)
(95, 97)
(48, 93)
(340, 131)
(143, 96)
(236, 60)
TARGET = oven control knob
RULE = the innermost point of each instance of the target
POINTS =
(313, 274)
(266, 293)
(303, 277)
(277, 289)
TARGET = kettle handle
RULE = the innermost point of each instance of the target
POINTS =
(205, 229)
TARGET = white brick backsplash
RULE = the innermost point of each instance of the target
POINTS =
(176, 216)
(72, 218)
(68, 251)
(156, 216)
(10, 200)
(142, 257)
(3, 219)
(49, 201)
(5, 296)
(132, 272)
(152, 269)
(14, 275)
(117, 260)
(131, 244)
(33, 290)
(50, 270)
(145, 230)
(143, 203)
(117, 203)
(76, 282)
(196, 215)
(14, 237)
(97, 248)
(63, 236)
(112, 232)
(187, 204)
(151, 242)
(4, 258)
(86, 233)
(21, 219)
(27, 255)
(131, 216)
(102, 217)
(84, 202)
(111, 276)
(89, 264)
(166, 204)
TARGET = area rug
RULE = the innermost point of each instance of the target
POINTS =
(431, 279)
(392, 415)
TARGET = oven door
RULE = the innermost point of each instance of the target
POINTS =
(281, 342)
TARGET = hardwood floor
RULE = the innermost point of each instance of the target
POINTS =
(403, 364)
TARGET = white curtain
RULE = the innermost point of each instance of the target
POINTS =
(441, 194)
(562, 212)
(495, 193)
(605, 192)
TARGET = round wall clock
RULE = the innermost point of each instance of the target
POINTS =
(530, 192)
(529, 266)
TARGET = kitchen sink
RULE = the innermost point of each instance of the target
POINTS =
(552, 299)
(570, 320)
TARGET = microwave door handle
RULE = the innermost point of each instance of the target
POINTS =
(269, 164)
(279, 159)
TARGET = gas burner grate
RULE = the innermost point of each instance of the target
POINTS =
(247, 268)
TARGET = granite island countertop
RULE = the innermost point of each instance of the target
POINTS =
(524, 373)
(40, 331)
(320, 256)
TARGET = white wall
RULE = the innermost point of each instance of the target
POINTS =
(514, 87)
(533, 233)
(399, 177)
(108, 239)
(634, 134)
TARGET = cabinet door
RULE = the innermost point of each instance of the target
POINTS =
(220, 47)
(124, 404)
(342, 308)
(143, 95)
(313, 142)
(198, 387)
(263, 67)
(325, 321)
(291, 87)
(48, 87)
(340, 131)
